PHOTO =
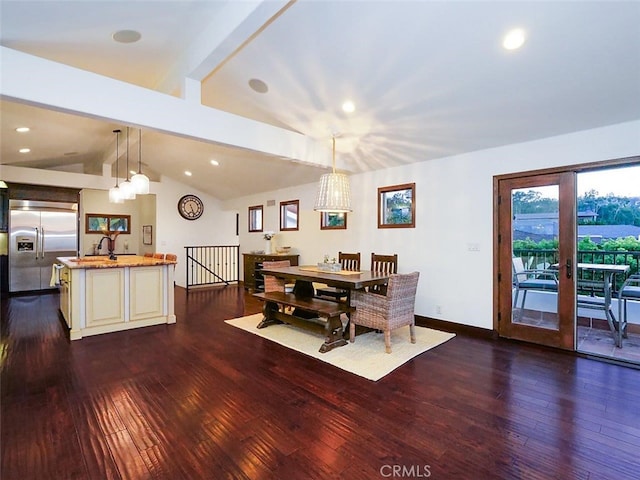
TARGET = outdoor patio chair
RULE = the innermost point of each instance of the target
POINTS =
(532, 279)
(349, 261)
(630, 290)
(386, 312)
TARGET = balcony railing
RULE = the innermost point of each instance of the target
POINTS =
(211, 265)
(547, 258)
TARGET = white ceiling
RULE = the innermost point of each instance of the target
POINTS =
(429, 79)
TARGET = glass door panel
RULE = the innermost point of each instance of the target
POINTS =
(536, 250)
(608, 261)
(534, 240)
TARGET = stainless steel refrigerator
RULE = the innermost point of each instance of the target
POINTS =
(38, 233)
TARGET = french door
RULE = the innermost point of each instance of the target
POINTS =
(536, 251)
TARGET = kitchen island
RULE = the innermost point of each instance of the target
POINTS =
(99, 295)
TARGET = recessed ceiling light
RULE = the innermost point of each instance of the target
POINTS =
(187, 173)
(126, 36)
(24, 150)
(348, 107)
(258, 85)
(214, 163)
(514, 39)
(22, 129)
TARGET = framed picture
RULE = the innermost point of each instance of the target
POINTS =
(120, 224)
(147, 235)
(97, 223)
(333, 221)
(396, 206)
(107, 224)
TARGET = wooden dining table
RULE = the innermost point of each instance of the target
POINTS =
(304, 277)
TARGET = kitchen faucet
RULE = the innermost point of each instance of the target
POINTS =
(111, 245)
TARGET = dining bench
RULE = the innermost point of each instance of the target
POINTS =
(310, 313)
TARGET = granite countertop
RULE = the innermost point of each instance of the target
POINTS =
(103, 261)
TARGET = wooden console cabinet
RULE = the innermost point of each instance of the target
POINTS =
(253, 265)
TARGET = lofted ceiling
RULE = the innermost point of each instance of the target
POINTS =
(429, 79)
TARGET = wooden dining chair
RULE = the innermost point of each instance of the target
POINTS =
(385, 264)
(348, 261)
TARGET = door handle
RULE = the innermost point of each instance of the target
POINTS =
(37, 242)
(42, 244)
(569, 268)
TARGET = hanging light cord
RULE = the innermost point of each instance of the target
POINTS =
(334, 153)
(117, 132)
(139, 150)
(127, 154)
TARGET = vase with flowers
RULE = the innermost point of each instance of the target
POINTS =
(268, 236)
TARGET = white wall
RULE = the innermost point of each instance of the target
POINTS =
(454, 207)
(173, 233)
(97, 202)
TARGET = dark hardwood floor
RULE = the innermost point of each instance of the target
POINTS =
(203, 400)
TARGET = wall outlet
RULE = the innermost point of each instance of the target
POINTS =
(438, 309)
(473, 247)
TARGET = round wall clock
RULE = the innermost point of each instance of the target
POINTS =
(190, 207)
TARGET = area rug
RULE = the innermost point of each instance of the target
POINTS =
(366, 357)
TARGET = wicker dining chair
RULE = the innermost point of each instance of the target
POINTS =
(348, 261)
(387, 312)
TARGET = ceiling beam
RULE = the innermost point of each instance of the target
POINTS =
(83, 93)
(229, 31)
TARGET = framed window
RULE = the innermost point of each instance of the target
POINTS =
(333, 221)
(106, 224)
(255, 218)
(396, 206)
(289, 215)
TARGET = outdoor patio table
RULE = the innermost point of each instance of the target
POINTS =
(609, 272)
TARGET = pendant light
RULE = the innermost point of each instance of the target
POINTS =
(128, 193)
(140, 181)
(334, 193)
(115, 195)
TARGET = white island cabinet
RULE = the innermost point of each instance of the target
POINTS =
(98, 295)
